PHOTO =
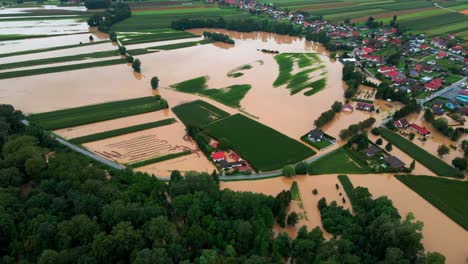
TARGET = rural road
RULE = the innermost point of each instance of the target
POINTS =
(446, 89)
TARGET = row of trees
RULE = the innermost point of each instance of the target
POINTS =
(352, 78)
(412, 107)
(442, 125)
(116, 13)
(218, 37)
(355, 128)
(327, 116)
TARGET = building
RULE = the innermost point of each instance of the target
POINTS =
(347, 108)
(218, 156)
(437, 110)
(316, 135)
(401, 123)
(234, 156)
(365, 107)
(373, 150)
(394, 162)
(463, 96)
(420, 130)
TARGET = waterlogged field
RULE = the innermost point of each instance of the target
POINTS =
(338, 161)
(198, 113)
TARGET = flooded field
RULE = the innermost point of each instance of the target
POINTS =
(43, 27)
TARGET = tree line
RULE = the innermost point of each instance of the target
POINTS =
(218, 37)
(115, 13)
(356, 128)
(352, 78)
(328, 116)
(442, 125)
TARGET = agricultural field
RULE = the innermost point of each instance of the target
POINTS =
(265, 148)
(95, 113)
(230, 96)
(198, 113)
(434, 164)
(338, 161)
(308, 76)
(449, 196)
(152, 36)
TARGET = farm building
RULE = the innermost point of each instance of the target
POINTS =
(229, 165)
(373, 150)
(316, 134)
(401, 123)
(365, 107)
(394, 162)
(347, 108)
(420, 130)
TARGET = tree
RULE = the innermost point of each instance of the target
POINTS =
(289, 171)
(379, 141)
(122, 50)
(435, 258)
(389, 147)
(293, 219)
(129, 59)
(464, 146)
(154, 82)
(411, 136)
(282, 244)
(164, 103)
(429, 116)
(337, 106)
(136, 65)
(301, 168)
(49, 257)
(413, 165)
(442, 150)
(460, 163)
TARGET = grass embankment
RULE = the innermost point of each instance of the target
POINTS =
(95, 113)
(449, 196)
(22, 73)
(339, 161)
(431, 162)
(230, 96)
(50, 49)
(348, 187)
(158, 159)
(122, 131)
(300, 81)
(198, 113)
(265, 148)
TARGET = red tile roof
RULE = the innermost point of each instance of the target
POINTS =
(420, 129)
(218, 155)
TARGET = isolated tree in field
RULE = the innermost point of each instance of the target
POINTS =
(164, 103)
(155, 82)
(379, 141)
(122, 50)
(460, 163)
(293, 219)
(289, 171)
(389, 147)
(136, 65)
(442, 150)
(129, 59)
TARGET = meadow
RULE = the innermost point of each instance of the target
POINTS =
(431, 162)
(198, 113)
(338, 161)
(230, 96)
(265, 148)
(95, 113)
(449, 196)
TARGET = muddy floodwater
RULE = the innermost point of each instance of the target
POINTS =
(440, 232)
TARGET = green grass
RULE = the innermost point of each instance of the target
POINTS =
(429, 23)
(348, 187)
(362, 100)
(122, 131)
(94, 55)
(198, 113)
(295, 194)
(230, 96)
(318, 145)
(434, 164)
(338, 161)
(235, 74)
(265, 148)
(158, 159)
(50, 49)
(95, 113)
(22, 73)
(449, 196)
(128, 38)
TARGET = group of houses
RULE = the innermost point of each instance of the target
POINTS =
(228, 160)
(403, 123)
(390, 161)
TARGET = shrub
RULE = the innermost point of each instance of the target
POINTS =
(289, 171)
(389, 147)
(301, 168)
(122, 50)
(379, 141)
(130, 59)
(136, 65)
(375, 131)
(155, 82)
(314, 192)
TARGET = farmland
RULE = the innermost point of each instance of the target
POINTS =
(198, 113)
(95, 113)
(431, 162)
(230, 96)
(338, 161)
(449, 196)
(265, 148)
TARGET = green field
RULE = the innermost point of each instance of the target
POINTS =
(265, 148)
(22, 73)
(153, 36)
(121, 131)
(230, 96)
(348, 187)
(434, 164)
(95, 113)
(198, 113)
(449, 196)
(338, 161)
(158, 159)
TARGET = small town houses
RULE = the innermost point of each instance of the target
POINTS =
(365, 107)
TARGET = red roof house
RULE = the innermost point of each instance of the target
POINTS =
(367, 50)
(441, 55)
(420, 130)
(218, 156)
(234, 156)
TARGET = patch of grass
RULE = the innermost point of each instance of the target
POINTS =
(158, 159)
(198, 113)
(316, 86)
(128, 38)
(295, 195)
(265, 148)
(235, 74)
(348, 187)
(121, 131)
(230, 96)
(95, 113)
(50, 49)
(22, 73)
(317, 144)
(338, 161)
(434, 164)
(449, 196)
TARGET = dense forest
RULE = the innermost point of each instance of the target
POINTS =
(57, 206)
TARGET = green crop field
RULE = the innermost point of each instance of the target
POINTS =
(122, 131)
(230, 96)
(434, 164)
(153, 36)
(432, 22)
(198, 113)
(449, 196)
(265, 148)
(338, 161)
(158, 159)
(95, 113)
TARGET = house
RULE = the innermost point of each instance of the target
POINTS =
(229, 165)
(441, 55)
(316, 135)
(433, 85)
(365, 107)
(347, 108)
(405, 89)
(218, 156)
(437, 110)
(463, 96)
(234, 156)
(456, 49)
(386, 69)
(394, 162)
(373, 150)
(414, 73)
(439, 43)
(401, 123)
(420, 130)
